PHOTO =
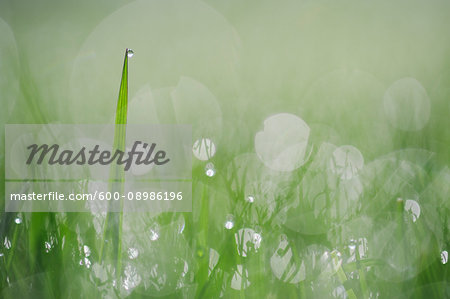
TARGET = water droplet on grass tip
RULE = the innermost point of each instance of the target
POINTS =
(250, 199)
(130, 53)
(209, 170)
(18, 220)
(352, 245)
(85, 262)
(229, 224)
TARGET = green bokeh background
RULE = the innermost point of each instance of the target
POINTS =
(225, 67)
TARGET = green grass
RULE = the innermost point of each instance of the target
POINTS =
(47, 257)
(320, 236)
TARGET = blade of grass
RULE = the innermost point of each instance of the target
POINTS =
(117, 173)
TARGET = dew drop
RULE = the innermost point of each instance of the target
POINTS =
(47, 246)
(210, 171)
(7, 243)
(250, 198)
(154, 235)
(181, 227)
(86, 250)
(229, 223)
(352, 245)
(50, 244)
(130, 53)
(132, 278)
(133, 253)
(351, 250)
(18, 220)
(87, 262)
(444, 257)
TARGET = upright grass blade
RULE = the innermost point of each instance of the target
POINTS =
(117, 173)
(122, 102)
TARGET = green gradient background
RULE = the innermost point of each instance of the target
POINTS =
(230, 65)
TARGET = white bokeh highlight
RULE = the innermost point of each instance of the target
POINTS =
(407, 105)
(282, 144)
(346, 162)
(204, 149)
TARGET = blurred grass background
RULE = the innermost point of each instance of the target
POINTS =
(225, 67)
